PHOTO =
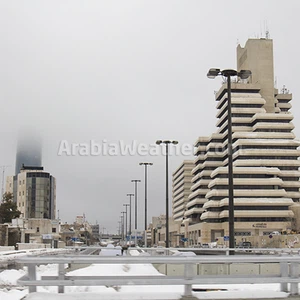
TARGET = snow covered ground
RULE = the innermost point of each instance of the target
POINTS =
(10, 291)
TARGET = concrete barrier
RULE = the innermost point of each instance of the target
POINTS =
(6, 248)
(221, 269)
(27, 246)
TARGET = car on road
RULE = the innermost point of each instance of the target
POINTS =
(244, 245)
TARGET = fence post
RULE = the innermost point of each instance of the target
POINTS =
(294, 273)
(188, 275)
(284, 272)
(61, 276)
(32, 276)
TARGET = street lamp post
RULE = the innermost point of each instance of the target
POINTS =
(130, 195)
(228, 73)
(167, 142)
(123, 212)
(136, 181)
(126, 219)
(146, 164)
(122, 226)
(119, 228)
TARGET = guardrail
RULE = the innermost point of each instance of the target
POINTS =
(288, 277)
(170, 251)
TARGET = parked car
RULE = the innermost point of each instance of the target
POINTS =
(275, 233)
(244, 245)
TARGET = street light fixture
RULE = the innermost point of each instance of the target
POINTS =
(130, 195)
(124, 212)
(119, 228)
(228, 73)
(123, 225)
(167, 142)
(126, 219)
(146, 164)
(136, 181)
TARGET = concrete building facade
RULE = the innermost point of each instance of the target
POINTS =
(265, 157)
(182, 177)
(34, 192)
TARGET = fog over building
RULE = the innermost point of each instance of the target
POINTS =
(265, 156)
(29, 150)
(33, 189)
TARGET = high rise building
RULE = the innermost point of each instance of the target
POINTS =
(265, 156)
(29, 150)
(181, 189)
(34, 192)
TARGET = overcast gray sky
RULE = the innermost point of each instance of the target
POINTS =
(125, 70)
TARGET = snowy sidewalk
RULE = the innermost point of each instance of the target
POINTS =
(246, 295)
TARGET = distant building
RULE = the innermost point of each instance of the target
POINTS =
(158, 231)
(96, 231)
(34, 192)
(79, 220)
(182, 183)
(38, 230)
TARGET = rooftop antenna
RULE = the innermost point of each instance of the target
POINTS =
(260, 30)
(267, 31)
(284, 90)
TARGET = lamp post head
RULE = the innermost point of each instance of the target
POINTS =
(244, 74)
(212, 73)
(158, 142)
(175, 142)
(145, 164)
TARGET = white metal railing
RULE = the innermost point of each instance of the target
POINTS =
(200, 250)
(289, 271)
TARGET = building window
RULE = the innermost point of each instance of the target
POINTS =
(22, 203)
(23, 181)
(53, 230)
(23, 193)
(19, 193)
(20, 182)
(38, 229)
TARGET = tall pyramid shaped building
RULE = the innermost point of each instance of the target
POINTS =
(265, 156)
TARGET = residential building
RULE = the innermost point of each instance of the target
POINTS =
(265, 156)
